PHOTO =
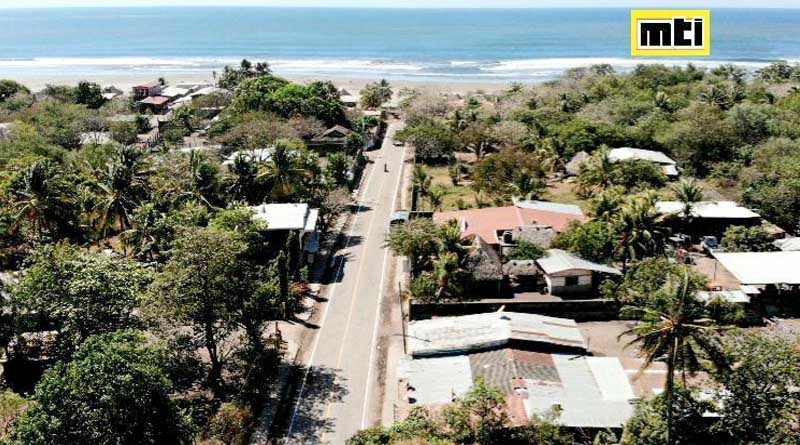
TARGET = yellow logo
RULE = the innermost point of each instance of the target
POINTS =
(670, 32)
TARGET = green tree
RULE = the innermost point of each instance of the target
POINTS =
(231, 424)
(9, 88)
(639, 232)
(113, 391)
(674, 326)
(417, 240)
(747, 239)
(688, 192)
(526, 251)
(338, 168)
(432, 140)
(89, 94)
(509, 173)
(759, 404)
(42, 199)
(11, 406)
(120, 188)
(125, 133)
(648, 425)
(232, 76)
(592, 240)
(79, 293)
(373, 95)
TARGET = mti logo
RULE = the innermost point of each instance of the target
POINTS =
(670, 32)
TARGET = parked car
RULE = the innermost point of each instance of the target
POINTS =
(710, 245)
(397, 143)
(399, 217)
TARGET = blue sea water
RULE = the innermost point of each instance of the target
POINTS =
(411, 44)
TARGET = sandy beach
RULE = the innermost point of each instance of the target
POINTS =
(125, 82)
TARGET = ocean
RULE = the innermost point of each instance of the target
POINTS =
(486, 45)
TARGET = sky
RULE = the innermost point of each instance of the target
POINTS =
(409, 3)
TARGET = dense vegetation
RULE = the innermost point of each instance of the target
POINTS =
(139, 284)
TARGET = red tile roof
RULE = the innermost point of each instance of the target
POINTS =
(156, 100)
(488, 221)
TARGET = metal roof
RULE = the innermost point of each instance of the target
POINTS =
(550, 206)
(628, 153)
(708, 209)
(754, 268)
(448, 335)
(558, 260)
(286, 216)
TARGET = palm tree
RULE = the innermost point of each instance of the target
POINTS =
(526, 185)
(638, 227)
(282, 174)
(33, 197)
(120, 188)
(673, 326)
(420, 183)
(450, 239)
(436, 197)
(597, 173)
(445, 266)
(688, 192)
(245, 175)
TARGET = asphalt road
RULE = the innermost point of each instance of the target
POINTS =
(338, 396)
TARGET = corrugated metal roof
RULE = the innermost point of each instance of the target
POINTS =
(550, 206)
(708, 209)
(754, 268)
(286, 216)
(788, 244)
(447, 335)
(558, 260)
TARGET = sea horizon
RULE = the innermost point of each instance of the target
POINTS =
(403, 44)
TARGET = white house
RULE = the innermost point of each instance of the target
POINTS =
(568, 274)
(629, 154)
(291, 217)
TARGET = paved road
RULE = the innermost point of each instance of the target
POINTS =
(338, 396)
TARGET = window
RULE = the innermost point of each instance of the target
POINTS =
(571, 281)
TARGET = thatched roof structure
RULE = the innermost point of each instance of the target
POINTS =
(521, 268)
(483, 262)
(539, 234)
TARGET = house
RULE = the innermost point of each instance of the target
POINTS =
(567, 274)
(175, 92)
(668, 166)
(334, 136)
(144, 90)
(281, 219)
(763, 273)
(260, 156)
(504, 227)
(709, 217)
(156, 104)
(537, 362)
(573, 167)
(111, 92)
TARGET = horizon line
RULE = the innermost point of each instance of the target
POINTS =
(245, 6)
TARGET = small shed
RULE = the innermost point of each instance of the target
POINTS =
(568, 274)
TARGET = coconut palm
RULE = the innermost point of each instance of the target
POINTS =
(120, 188)
(445, 267)
(282, 174)
(526, 185)
(597, 173)
(36, 198)
(420, 183)
(688, 192)
(674, 327)
(638, 227)
(436, 197)
(245, 174)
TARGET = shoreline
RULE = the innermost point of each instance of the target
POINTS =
(37, 82)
